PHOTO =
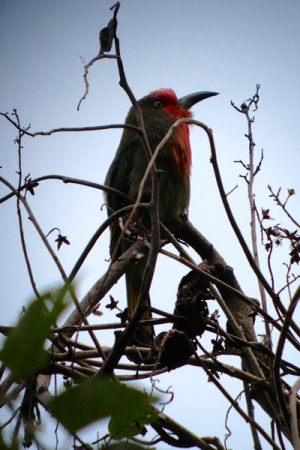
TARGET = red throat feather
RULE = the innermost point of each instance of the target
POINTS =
(181, 148)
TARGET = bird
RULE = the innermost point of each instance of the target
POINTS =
(160, 110)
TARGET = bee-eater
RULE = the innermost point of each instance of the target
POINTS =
(160, 110)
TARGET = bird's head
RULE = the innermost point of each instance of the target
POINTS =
(160, 110)
(166, 100)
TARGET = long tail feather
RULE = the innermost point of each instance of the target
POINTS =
(134, 278)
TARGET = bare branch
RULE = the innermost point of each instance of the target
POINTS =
(25, 131)
(86, 71)
(252, 172)
(65, 180)
(18, 141)
(283, 205)
(236, 406)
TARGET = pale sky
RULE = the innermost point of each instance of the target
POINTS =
(226, 46)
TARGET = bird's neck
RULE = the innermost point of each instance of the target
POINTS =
(181, 149)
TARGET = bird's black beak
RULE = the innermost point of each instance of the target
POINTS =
(189, 100)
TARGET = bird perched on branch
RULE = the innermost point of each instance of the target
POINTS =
(160, 110)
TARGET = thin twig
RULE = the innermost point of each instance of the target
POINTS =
(66, 180)
(252, 172)
(66, 129)
(185, 438)
(236, 406)
(283, 205)
(86, 71)
(18, 141)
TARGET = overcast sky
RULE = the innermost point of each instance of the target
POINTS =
(225, 46)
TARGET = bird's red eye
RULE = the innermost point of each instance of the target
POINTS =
(158, 104)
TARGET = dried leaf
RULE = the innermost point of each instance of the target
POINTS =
(61, 240)
(113, 303)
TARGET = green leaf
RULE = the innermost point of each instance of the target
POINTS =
(96, 399)
(128, 422)
(23, 351)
